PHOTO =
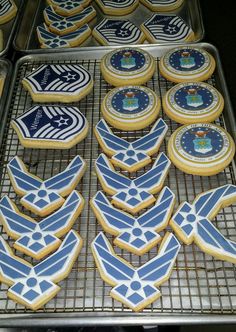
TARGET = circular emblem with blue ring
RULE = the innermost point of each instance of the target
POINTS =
(185, 64)
(130, 107)
(201, 149)
(193, 102)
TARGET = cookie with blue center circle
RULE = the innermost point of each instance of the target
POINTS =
(127, 66)
(201, 149)
(130, 107)
(193, 102)
(162, 5)
(187, 64)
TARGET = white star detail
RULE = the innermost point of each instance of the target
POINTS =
(139, 291)
(45, 198)
(171, 29)
(62, 121)
(36, 287)
(123, 33)
(41, 240)
(69, 77)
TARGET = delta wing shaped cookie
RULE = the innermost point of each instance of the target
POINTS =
(43, 197)
(130, 156)
(37, 239)
(132, 195)
(192, 222)
(33, 286)
(68, 8)
(137, 235)
(136, 288)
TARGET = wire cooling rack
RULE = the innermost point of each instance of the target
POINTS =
(199, 284)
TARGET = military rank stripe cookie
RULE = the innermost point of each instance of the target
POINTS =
(43, 197)
(130, 107)
(167, 28)
(162, 5)
(127, 66)
(192, 222)
(134, 155)
(68, 8)
(201, 149)
(58, 83)
(8, 10)
(135, 287)
(137, 235)
(187, 64)
(47, 127)
(117, 32)
(34, 286)
(188, 103)
(117, 7)
(132, 195)
(38, 239)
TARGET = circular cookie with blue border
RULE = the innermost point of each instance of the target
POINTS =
(162, 5)
(201, 149)
(127, 66)
(193, 102)
(187, 64)
(130, 107)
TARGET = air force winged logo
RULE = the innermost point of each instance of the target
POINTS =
(132, 195)
(191, 222)
(33, 286)
(39, 239)
(136, 288)
(130, 156)
(42, 197)
(137, 235)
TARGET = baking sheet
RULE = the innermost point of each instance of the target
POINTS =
(26, 39)
(201, 289)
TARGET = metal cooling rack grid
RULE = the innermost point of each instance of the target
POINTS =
(199, 284)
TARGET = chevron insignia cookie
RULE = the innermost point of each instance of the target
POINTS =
(135, 287)
(43, 197)
(68, 7)
(38, 239)
(8, 10)
(33, 286)
(117, 7)
(162, 5)
(132, 195)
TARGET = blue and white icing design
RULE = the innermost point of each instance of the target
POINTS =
(39, 195)
(130, 155)
(33, 286)
(49, 39)
(135, 287)
(137, 235)
(117, 4)
(61, 79)
(6, 6)
(191, 222)
(59, 124)
(167, 28)
(60, 24)
(118, 32)
(37, 239)
(132, 195)
(65, 7)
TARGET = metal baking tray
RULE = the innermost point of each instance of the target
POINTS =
(26, 39)
(5, 73)
(201, 289)
(8, 28)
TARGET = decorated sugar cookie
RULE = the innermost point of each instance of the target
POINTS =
(38, 239)
(43, 197)
(137, 235)
(33, 286)
(167, 28)
(117, 32)
(8, 10)
(187, 64)
(192, 222)
(193, 102)
(58, 83)
(68, 7)
(162, 5)
(201, 149)
(135, 287)
(117, 7)
(48, 39)
(127, 66)
(130, 107)
(48, 127)
(61, 25)
(132, 195)
(134, 155)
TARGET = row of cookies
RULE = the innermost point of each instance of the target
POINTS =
(8, 10)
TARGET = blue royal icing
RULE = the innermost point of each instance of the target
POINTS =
(187, 59)
(117, 4)
(6, 6)
(135, 287)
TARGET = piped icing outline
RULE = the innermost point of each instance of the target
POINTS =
(160, 6)
(68, 8)
(118, 7)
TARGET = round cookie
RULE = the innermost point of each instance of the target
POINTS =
(187, 64)
(130, 107)
(162, 5)
(193, 102)
(127, 66)
(201, 149)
